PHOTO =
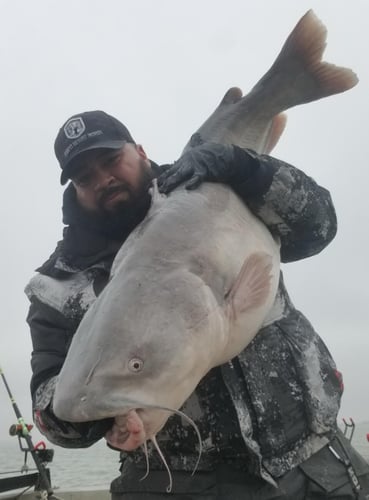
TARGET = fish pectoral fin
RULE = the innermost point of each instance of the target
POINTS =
(252, 285)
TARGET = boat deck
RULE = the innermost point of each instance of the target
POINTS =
(61, 495)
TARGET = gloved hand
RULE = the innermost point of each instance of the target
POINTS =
(70, 434)
(209, 162)
(60, 432)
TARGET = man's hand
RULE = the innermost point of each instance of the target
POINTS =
(208, 162)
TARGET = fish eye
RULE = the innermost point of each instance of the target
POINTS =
(135, 365)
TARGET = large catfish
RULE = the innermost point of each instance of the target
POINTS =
(194, 282)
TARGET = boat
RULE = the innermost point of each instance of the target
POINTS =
(60, 495)
(35, 483)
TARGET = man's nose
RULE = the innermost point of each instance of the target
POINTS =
(103, 178)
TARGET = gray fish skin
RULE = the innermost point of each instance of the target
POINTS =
(195, 281)
(172, 303)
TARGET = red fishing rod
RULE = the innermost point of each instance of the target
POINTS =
(22, 430)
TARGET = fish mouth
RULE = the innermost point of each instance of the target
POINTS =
(136, 431)
(128, 431)
(136, 426)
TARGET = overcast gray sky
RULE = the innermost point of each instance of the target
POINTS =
(161, 67)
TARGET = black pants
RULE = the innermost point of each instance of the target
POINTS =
(323, 476)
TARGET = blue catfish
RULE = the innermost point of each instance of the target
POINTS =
(196, 280)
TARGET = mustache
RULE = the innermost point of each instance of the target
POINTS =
(111, 190)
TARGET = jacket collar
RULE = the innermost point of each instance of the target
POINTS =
(86, 241)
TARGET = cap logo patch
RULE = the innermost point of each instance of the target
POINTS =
(74, 128)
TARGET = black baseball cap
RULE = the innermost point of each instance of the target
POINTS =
(86, 131)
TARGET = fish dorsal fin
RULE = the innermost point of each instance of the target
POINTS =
(252, 285)
(157, 198)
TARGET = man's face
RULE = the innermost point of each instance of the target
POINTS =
(106, 180)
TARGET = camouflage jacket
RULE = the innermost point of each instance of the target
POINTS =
(268, 409)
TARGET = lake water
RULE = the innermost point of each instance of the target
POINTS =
(71, 469)
(97, 466)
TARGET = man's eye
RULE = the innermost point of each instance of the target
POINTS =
(112, 160)
(83, 181)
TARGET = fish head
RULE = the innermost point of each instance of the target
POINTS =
(140, 348)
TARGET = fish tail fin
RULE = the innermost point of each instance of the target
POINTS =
(308, 42)
(297, 76)
(299, 65)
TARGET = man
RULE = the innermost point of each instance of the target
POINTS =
(268, 417)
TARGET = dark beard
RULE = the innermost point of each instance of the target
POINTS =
(125, 218)
(118, 223)
(126, 215)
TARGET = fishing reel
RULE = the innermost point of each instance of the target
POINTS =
(20, 430)
(40, 454)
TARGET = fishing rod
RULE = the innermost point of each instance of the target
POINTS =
(23, 430)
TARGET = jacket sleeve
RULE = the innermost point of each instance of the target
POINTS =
(51, 336)
(291, 204)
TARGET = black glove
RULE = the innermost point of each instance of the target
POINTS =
(70, 434)
(210, 162)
